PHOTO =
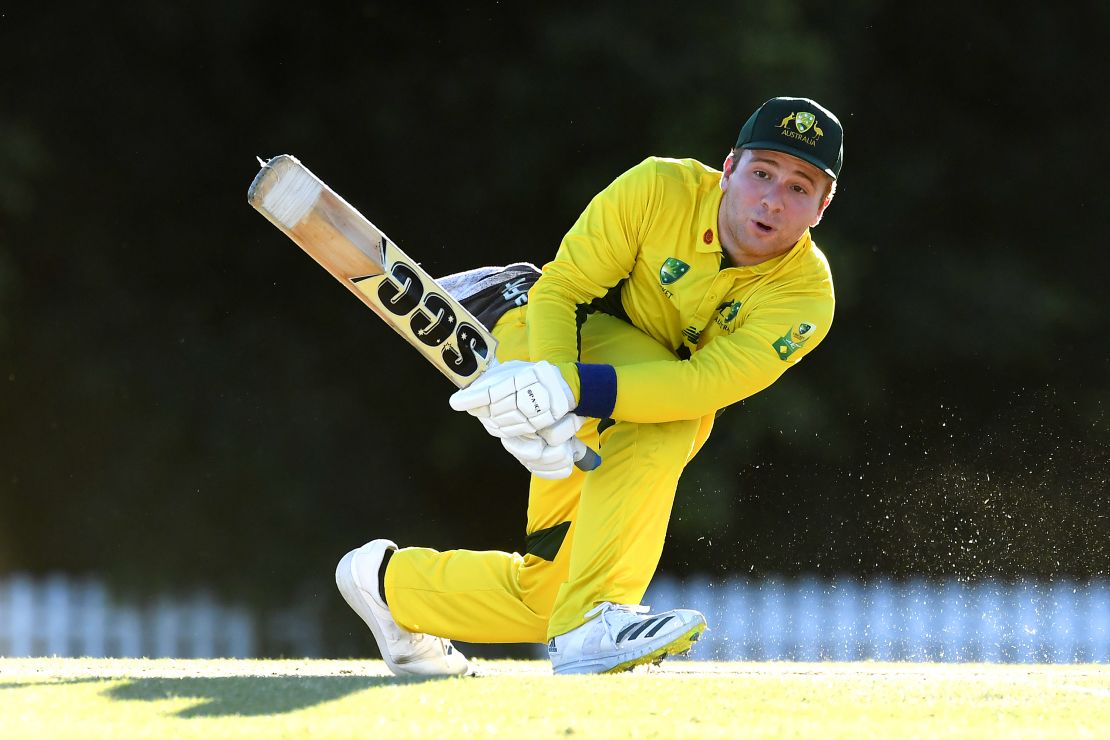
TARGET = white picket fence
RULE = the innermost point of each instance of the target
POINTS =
(811, 619)
(806, 619)
(76, 617)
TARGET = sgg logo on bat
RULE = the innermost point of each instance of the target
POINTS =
(433, 317)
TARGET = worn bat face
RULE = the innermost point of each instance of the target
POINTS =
(372, 267)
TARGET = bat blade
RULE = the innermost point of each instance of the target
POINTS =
(360, 256)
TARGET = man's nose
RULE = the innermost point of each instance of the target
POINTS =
(772, 199)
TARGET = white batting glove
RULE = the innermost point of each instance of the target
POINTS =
(517, 398)
(553, 462)
(563, 430)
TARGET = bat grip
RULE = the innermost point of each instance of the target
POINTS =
(585, 459)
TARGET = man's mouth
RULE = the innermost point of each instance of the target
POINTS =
(765, 228)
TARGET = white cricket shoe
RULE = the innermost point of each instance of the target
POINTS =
(619, 638)
(406, 653)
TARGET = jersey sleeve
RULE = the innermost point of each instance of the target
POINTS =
(729, 368)
(597, 253)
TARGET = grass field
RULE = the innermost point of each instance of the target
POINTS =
(80, 698)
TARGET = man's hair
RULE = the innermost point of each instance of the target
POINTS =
(830, 189)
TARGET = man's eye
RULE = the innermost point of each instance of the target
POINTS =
(760, 173)
(799, 189)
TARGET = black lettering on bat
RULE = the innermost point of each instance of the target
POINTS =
(402, 296)
(434, 322)
(471, 346)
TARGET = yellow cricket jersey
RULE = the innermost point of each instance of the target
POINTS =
(646, 249)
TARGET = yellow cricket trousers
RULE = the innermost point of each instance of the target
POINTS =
(592, 537)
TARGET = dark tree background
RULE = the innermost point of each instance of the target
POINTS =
(186, 398)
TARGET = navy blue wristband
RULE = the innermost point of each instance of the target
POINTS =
(598, 390)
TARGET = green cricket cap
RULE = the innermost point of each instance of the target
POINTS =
(797, 126)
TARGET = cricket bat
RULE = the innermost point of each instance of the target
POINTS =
(394, 286)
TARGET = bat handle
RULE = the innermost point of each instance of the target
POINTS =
(585, 459)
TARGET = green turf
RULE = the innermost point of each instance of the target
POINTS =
(74, 698)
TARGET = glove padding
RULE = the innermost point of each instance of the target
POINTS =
(543, 460)
(518, 398)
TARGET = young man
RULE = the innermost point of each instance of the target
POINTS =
(679, 291)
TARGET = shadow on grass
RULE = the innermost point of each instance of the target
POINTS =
(252, 695)
(49, 682)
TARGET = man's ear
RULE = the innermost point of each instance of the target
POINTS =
(821, 210)
(726, 169)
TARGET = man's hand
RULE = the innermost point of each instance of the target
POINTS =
(528, 406)
(517, 398)
(543, 460)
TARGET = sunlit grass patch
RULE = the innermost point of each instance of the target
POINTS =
(319, 698)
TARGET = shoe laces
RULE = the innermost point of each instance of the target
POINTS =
(621, 614)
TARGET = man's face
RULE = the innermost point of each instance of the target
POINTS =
(770, 200)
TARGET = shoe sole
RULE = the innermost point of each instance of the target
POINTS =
(352, 594)
(345, 580)
(679, 646)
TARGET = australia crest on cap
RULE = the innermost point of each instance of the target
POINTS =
(797, 126)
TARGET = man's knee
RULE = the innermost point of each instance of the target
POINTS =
(545, 567)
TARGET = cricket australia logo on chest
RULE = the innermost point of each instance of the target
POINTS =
(671, 272)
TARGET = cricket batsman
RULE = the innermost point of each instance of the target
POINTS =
(680, 290)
